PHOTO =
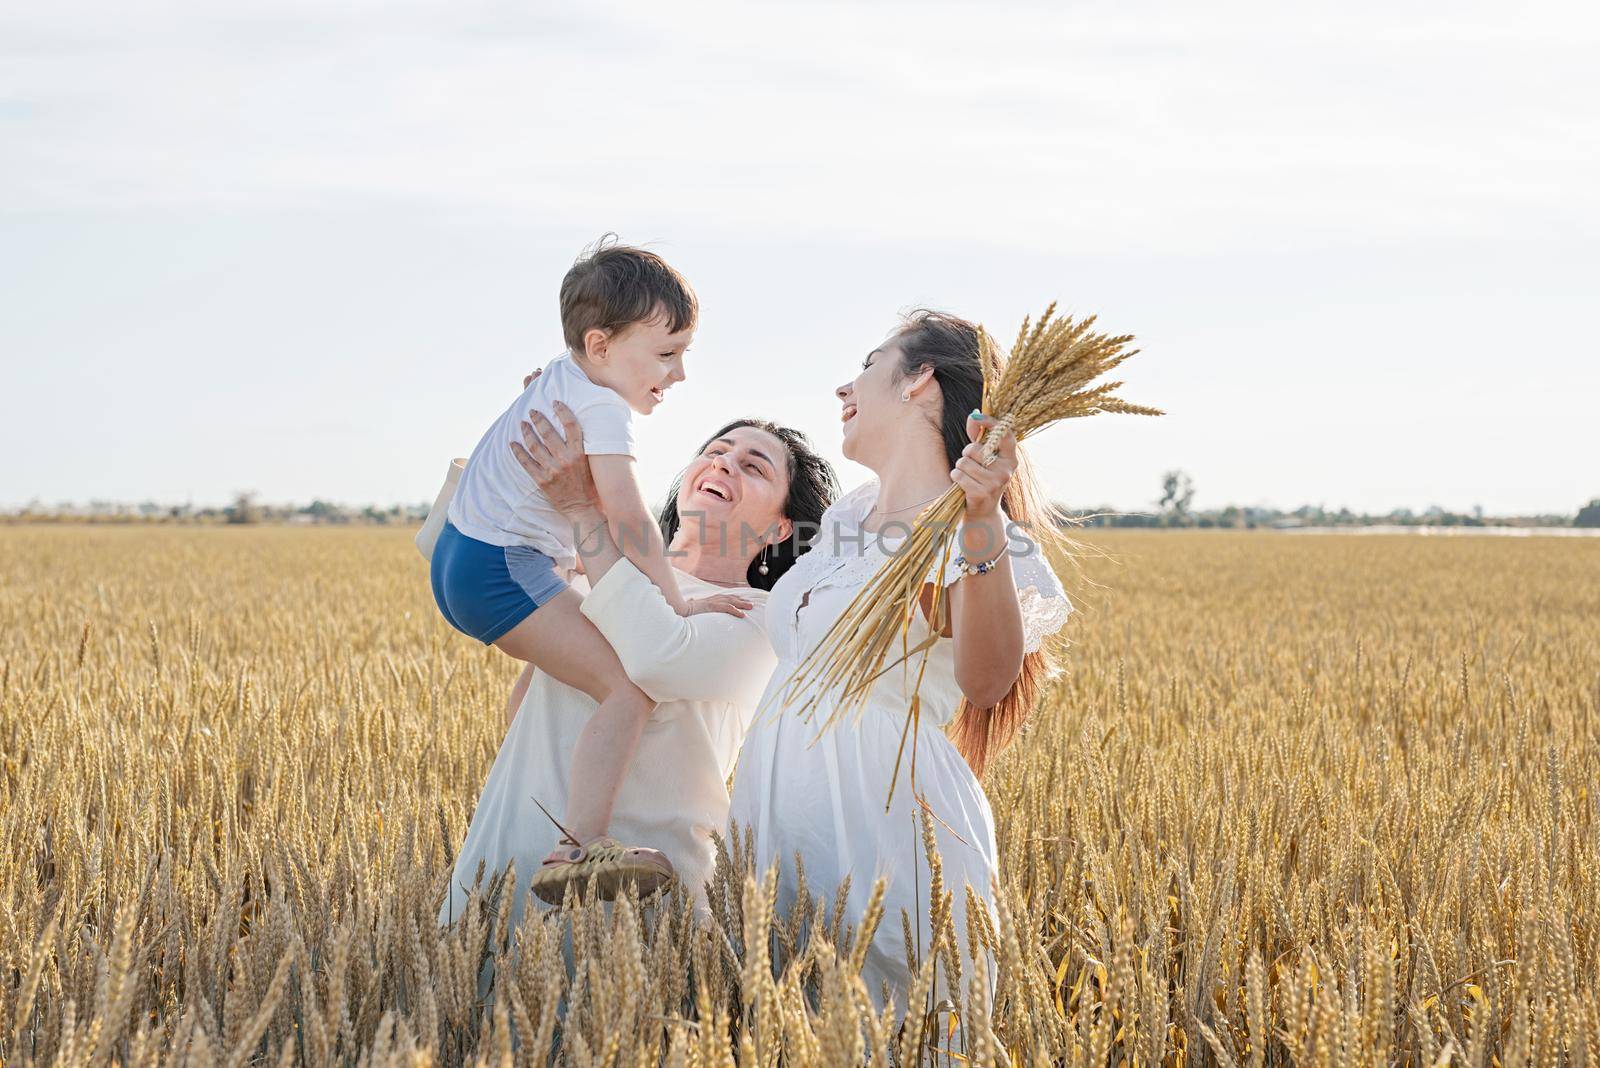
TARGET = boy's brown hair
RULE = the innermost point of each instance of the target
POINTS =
(613, 286)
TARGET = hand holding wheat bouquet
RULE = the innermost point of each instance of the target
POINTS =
(1051, 375)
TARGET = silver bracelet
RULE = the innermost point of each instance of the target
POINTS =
(968, 568)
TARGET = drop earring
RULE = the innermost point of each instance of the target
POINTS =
(762, 568)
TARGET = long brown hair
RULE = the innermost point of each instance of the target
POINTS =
(960, 360)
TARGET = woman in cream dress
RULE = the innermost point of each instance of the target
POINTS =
(909, 417)
(705, 670)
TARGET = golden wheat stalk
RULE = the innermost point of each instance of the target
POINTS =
(1050, 376)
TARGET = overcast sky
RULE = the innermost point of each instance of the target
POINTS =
(311, 249)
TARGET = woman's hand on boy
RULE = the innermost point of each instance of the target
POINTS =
(556, 462)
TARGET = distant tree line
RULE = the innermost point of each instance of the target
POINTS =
(245, 509)
(1173, 508)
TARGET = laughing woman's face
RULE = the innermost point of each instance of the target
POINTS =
(874, 415)
(740, 482)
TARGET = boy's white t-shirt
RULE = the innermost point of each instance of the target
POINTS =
(498, 502)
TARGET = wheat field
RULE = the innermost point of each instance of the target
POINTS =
(1297, 800)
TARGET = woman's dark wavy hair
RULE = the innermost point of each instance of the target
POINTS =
(812, 487)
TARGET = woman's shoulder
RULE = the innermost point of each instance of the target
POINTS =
(854, 504)
(836, 532)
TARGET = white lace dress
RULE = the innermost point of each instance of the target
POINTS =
(823, 798)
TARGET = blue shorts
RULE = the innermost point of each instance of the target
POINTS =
(484, 590)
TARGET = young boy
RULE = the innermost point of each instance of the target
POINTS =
(498, 567)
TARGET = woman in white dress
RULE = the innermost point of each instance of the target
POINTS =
(753, 490)
(909, 417)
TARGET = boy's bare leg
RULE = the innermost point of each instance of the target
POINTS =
(559, 640)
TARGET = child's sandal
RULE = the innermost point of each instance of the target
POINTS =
(606, 863)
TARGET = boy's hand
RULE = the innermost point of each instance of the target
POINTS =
(528, 381)
(728, 603)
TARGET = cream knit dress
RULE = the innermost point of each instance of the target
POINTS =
(707, 671)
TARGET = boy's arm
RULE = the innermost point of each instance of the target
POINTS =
(631, 525)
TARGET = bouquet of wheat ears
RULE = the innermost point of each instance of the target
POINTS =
(1051, 375)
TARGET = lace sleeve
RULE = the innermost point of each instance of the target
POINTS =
(1045, 606)
(1044, 602)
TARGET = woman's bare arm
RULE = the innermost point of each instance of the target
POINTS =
(986, 618)
(985, 614)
